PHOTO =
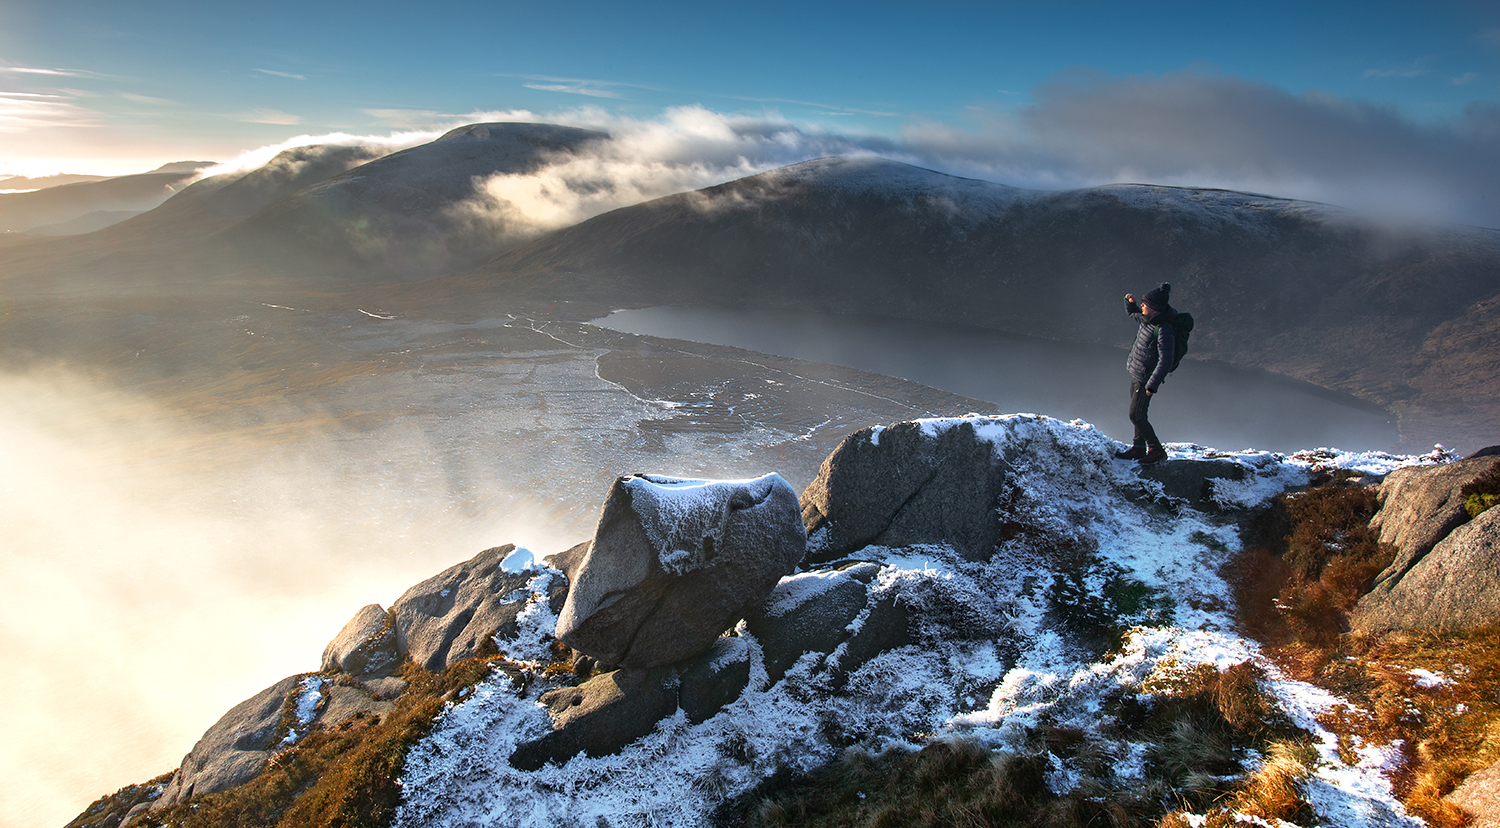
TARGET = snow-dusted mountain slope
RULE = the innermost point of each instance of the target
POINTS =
(395, 214)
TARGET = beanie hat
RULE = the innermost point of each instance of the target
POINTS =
(1160, 297)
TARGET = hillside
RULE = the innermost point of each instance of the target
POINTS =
(1392, 315)
(20, 212)
(393, 218)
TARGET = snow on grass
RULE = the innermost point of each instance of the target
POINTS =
(992, 660)
(305, 709)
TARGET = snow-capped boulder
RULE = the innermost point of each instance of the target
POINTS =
(235, 748)
(676, 562)
(1455, 586)
(366, 647)
(905, 484)
(452, 615)
(809, 612)
(601, 715)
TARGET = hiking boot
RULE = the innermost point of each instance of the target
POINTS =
(1135, 453)
(1155, 455)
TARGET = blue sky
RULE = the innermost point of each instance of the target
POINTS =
(1024, 92)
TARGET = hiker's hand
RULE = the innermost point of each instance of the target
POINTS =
(1130, 297)
(1149, 392)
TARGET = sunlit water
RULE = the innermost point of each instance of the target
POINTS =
(1201, 402)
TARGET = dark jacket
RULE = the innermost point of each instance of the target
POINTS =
(1155, 347)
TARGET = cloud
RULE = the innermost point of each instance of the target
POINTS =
(23, 70)
(1465, 78)
(27, 111)
(1490, 36)
(1408, 70)
(572, 89)
(1183, 129)
(1198, 130)
(275, 73)
(268, 116)
(377, 145)
(148, 100)
(687, 148)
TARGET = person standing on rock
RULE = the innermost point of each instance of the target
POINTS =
(1151, 357)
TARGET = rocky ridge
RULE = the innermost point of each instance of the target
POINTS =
(1035, 573)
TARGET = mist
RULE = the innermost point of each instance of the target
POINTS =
(158, 573)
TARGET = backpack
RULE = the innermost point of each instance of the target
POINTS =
(1182, 326)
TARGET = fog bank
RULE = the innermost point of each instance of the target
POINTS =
(157, 574)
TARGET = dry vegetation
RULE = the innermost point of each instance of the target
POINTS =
(1198, 727)
(345, 776)
(1304, 568)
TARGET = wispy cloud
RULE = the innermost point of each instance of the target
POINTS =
(27, 70)
(1196, 130)
(1490, 36)
(25, 111)
(573, 89)
(275, 73)
(57, 73)
(829, 108)
(267, 116)
(1414, 69)
(1465, 78)
(148, 100)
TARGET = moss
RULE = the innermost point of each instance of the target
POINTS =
(1477, 503)
(1097, 605)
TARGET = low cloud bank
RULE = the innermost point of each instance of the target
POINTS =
(1183, 129)
(157, 574)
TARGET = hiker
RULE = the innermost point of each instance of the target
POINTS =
(1151, 357)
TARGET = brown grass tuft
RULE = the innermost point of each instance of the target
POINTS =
(345, 777)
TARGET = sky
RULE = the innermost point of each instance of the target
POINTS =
(1384, 105)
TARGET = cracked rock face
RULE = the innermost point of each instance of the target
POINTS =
(902, 485)
(675, 562)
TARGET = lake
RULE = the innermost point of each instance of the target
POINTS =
(1202, 402)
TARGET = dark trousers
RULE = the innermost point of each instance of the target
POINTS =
(1145, 435)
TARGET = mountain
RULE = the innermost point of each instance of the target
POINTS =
(54, 205)
(1394, 315)
(396, 217)
(1403, 317)
(22, 183)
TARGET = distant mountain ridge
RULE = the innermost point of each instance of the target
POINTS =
(1307, 290)
(393, 215)
(1404, 317)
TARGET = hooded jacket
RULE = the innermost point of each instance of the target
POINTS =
(1155, 347)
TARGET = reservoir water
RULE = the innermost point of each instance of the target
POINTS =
(1202, 402)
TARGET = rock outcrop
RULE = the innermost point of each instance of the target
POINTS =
(366, 647)
(235, 748)
(1446, 574)
(602, 715)
(902, 485)
(674, 563)
(454, 614)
